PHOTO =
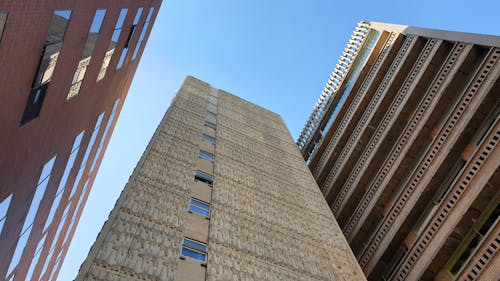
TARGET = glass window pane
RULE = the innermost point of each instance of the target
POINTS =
(200, 211)
(194, 245)
(121, 18)
(211, 114)
(200, 204)
(206, 155)
(4, 208)
(138, 15)
(193, 254)
(97, 21)
(58, 26)
(200, 176)
(3, 20)
(208, 138)
(210, 125)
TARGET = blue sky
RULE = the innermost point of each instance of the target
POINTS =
(275, 53)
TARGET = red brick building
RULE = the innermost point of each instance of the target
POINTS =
(66, 69)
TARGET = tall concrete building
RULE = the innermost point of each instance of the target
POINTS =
(403, 144)
(66, 67)
(221, 193)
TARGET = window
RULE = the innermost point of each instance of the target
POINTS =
(30, 217)
(210, 125)
(3, 20)
(143, 33)
(208, 138)
(212, 107)
(206, 155)
(86, 56)
(205, 178)
(194, 250)
(104, 135)
(112, 45)
(211, 114)
(62, 222)
(46, 65)
(83, 165)
(4, 208)
(212, 99)
(129, 38)
(199, 207)
(64, 178)
(36, 257)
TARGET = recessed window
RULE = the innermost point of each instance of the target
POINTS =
(86, 56)
(202, 177)
(3, 20)
(90, 145)
(206, 155)
(112, 44)
(64, 179)
(208, 138)
(199, 207)
(46, 65)
(194, 250)
(4, 208)
(143, 33)
(212, 99)
(129, 38)
(212, 107)
(210, 125)
(211, 114)
(30, 217)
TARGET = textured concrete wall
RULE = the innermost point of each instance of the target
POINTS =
(269, 220)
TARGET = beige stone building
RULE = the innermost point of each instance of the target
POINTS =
(221, 193)
(403, 144)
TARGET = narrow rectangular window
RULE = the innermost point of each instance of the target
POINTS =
(30, 217)
(143, 33)
(199, 207)
(86, 55)
(112, 44)
(129, 38)
(205, 178)
(212, 99)
(208, 138)
(90, 145)
(36, 257)
(46, 65)
(210, 125)
(211, 114)
(104, 135)
(3, 20)
(64, 179)
(4, 208)
(206, 155)
(58, 232)
(194, 250)
(212, 107)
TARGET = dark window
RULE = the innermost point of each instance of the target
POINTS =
(46, 65)
(211, 114)
(206, 155)
(86, 56)
(205, 178)
(210, 125)
(199, 207)
(143, 33)
(3, 20)
(129, 38)
(194, 250)
(208, 138)
(112, 44)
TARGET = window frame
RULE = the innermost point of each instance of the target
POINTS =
(204, 178)
(208, 138)
(195, 247)
(199, 207)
